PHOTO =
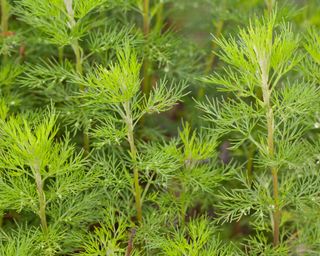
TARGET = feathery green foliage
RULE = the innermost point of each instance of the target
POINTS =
(112, 142)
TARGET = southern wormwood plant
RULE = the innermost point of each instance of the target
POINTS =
(275, 112)
(116, 90)
(45, 178)
(175, 166)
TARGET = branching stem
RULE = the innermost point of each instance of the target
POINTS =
(79, 59)
(42, 199)
(266, 92)
(78, 54)
(133, 151)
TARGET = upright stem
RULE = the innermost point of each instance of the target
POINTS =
(270, 5)
(146, 30)
(212, 56)
(42, 200)
(133, 151)
(159, 18)
(78, 54)
(4, 16)
(183, 209)
(250, 156)
(146, 21)
(277, 213)
(266, 92)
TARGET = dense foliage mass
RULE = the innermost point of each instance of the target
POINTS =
(137, 127)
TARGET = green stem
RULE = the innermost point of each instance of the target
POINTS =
(133, 151)
(269, 4)
(78, 54)
(183, 206)
(146, 19)
(277, 213)
(146, 188)
(5, 12)
(212, 57)
(250, 162)
(146, 77)
(42, 201)
(159, 18)
(146, 30)
(266, 93)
